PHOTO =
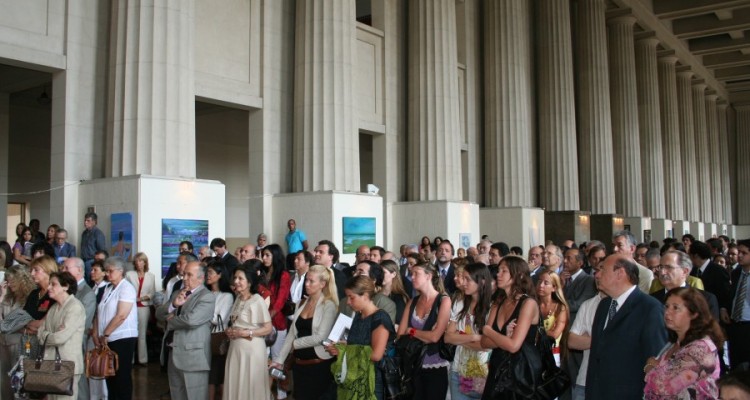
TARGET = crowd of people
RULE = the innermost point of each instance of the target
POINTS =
(629, 320)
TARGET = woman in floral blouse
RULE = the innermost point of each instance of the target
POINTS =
(688, 367)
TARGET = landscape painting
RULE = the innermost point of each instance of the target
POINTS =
(174, 231)
(358, 231)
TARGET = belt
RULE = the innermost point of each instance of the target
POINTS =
(314, 361)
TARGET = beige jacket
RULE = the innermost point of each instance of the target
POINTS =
(323, 319)
(63, 327)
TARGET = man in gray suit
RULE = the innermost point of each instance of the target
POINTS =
(87, 297)
(187, 338)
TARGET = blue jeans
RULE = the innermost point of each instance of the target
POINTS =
(456, 393)
(579, 392)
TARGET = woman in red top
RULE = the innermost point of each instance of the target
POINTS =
(280, 283)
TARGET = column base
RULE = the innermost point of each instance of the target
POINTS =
(680, 228)
(519, 226)
(457, 221)
(741, 232)
(563, 225)
(604, 225)
(661, 229)
(709, 231)
(697, 230)
(321, 216)
(640, 227)
(151, 199)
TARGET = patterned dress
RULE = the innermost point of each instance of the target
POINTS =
(690, 373)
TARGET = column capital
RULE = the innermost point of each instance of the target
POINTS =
(621, 17)
(668, 59)
(699, 84)
(647, 38)
(722, 104)
(685, 73)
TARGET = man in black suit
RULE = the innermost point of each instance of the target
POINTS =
(715, 277)
(219, 246)
(628, 329)
(327, 255)
(738, 324)
(673, 271)
(444, 265)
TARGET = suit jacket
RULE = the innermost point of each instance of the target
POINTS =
(191, 345)
(340, 278)
(578, 291)
(716, 280)
(67, 250)
(713, 304)
(449, 282)
(323, 318)
(619, 352)
(736, 274)
(230, 261)
(87, 297)
(149, 286)
(63, 327)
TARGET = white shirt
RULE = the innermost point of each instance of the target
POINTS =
(704, 266)
(107, 309)
(582, 326)
(297, 285)
(576, 275)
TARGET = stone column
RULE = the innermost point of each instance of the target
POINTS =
(703, 190)
(624, 103)
(743, 163)
(326, 139)
(649, 123)
(714, 160)
(670, 134)
(726, 186)
(594, 119)
(151, 128)
(508, 116)
(557, 126)
(687, 145)
(4, 139)
(434, 133)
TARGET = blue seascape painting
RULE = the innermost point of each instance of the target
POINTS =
(358, 231)
(174, 231)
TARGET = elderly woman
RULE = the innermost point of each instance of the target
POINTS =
(688, 367)
(311, 324)
(247, 360)
(14, 291)
(145, 287)
(116, 325)
(63, 326)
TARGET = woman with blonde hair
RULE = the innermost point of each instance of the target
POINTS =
(554, 308)
(310, 326)
(38, 302)
(13, 291)
(426, 321)
(144, 283)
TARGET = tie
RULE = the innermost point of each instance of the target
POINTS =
(442, 274)
(612, 311)
(739, 299)
(699, 273)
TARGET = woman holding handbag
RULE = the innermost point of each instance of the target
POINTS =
(63, 327)
(217, 281)
(513, 321)
(311, 324)
(15, 289)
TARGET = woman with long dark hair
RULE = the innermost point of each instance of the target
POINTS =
(279, 283)
(513, 321)
(217, 281)
(688, 367)
(468, 317)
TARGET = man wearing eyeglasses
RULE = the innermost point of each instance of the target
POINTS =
(673, 272)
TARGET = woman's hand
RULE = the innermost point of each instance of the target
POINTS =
(511, 327)
(332, 350)
(650, 364)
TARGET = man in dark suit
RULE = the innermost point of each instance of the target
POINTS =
(327, 255)
(187, 338)
(628, 329)
(738, 323)
(673, 271)
(219, 246)
(63, 249)
(445, 267)
(715, 277)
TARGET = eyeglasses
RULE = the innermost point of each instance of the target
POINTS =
(661, 266)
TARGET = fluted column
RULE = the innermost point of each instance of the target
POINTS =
(557, 126)
(670, 134)
(743, 164)
(151, 127)
(507, 92)
(714, 160)
(687, 145)
(649, 124)
(326, 139)
(701, 152)
(434, 134)
(594, 118)
(624, 103)
(726, 186)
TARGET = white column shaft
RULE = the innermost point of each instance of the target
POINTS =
(701, 153)
(670, 134)
(434, 132)
(743, 164)
(687, 146)
(726, 186)
(714, 159)
(557, 125)
(624, 103)
(594, 119)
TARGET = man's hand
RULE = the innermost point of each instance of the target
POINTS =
(180, 299)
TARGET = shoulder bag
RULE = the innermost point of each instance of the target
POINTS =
(48, 376)
(219, 339)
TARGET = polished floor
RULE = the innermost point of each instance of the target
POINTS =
(149, 382)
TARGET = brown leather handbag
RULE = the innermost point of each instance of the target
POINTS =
(101, 362)
(48, 376)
